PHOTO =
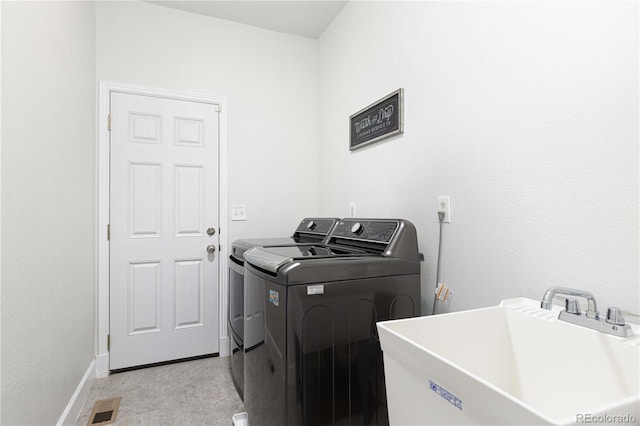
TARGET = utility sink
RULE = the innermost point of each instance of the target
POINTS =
(509, 364)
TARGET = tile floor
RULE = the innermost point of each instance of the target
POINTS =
(197, 392)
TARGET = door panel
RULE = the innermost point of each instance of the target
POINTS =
(144, 290)
(188, 200)
(163, 197)
(145, 192)
(189, 289)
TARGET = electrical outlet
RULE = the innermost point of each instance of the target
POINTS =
(352, 209)
(238, 212)
(444, 205)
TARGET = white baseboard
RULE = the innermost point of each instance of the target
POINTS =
(225, 346)
(74, 407)
(102, 360)
(102, 365)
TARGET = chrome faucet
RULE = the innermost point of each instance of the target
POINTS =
(614, 323)
(592, 311)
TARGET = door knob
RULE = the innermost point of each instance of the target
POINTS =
(211, 249)
(211, 231)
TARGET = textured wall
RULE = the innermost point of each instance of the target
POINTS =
(48, 210)
(525, 113)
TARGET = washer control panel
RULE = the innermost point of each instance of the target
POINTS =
(371, 230)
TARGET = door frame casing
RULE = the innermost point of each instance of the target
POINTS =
(104, 177)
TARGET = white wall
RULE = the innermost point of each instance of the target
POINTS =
(525, 113)
(269, 79)
(48, 211)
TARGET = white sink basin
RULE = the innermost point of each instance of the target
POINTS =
(510, 364)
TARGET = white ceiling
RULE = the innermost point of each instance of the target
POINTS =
(305, 18)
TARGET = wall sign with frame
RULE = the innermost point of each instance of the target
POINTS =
(380, 120)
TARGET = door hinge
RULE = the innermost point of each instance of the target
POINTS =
(109, 232)
(108, 342)
(109, 122)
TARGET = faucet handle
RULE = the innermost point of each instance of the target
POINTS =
(614, 316)
(572, 306)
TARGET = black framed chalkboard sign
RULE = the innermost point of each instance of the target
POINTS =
(380, 120)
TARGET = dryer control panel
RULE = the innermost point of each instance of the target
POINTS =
(380, 231)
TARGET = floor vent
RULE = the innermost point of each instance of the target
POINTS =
(104, 411)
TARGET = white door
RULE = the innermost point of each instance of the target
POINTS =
(163, 202)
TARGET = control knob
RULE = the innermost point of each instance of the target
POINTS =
(614, 316)
(357, 228)
(572, 306)
(311, 225)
